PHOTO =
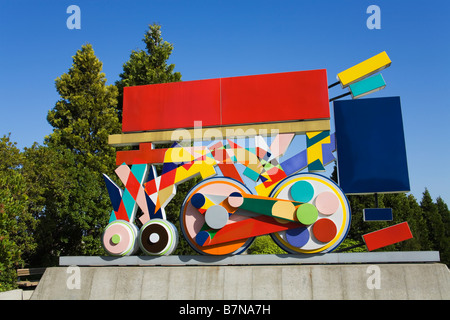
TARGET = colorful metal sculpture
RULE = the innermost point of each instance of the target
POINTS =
(252, 184)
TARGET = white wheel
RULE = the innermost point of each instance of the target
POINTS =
(325, 214)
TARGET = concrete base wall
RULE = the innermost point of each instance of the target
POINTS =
(272, 282)
(17, 294)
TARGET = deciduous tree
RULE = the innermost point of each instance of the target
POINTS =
(16, 223)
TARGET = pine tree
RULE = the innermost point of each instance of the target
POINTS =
(418, 226)
(445, 242)
(405, 208)
(433, 221)
(444, 212)
(357, 204)
(149, 66)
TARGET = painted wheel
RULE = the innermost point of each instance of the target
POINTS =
(193, 222)
(325, 214)
(158, 237)
(119, 238)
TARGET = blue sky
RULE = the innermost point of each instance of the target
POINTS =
(215, 38)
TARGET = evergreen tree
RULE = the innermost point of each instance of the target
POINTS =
(445, 241)
(405, 208)
(85, 116)
(75, 207)
(445, 215)
(417, 224)
(148, 66)
(357, 204)
(433, 221)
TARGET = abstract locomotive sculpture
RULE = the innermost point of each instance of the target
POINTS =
(252, 185)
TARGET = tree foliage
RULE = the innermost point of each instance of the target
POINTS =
(264, 245)
(148, 66)
(69, 196)
(428, 221)
(85, 115)
(17, 225)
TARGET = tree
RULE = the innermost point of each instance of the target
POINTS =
(417, 224)
(406, 208)
(52, 179)
(16, 224)
(264, 245)
(433, 221)
(75, 207)
(85, 116)
(148, 67)
(444, 212)
(445, 217)
(357, 204)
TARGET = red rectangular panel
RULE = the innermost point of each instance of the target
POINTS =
(277, 97)
(171, 105)
(145, 154)
(387, 236)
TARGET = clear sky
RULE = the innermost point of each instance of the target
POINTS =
(214, 38)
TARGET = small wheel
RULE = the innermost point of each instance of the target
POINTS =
(325, 214)
(158, 237)
(119, 238)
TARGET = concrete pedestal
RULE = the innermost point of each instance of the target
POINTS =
(250, 282)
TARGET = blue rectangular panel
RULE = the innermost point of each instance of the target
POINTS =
(377, 214)
(370, 146)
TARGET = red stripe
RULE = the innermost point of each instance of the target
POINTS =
(251, 227)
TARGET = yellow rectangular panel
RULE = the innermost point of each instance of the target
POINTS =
(218, 133)
(364, 69)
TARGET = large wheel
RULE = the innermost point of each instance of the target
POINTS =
(119, 238)
(325, 214)
(192, 221)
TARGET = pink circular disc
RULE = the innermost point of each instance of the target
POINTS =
(327, 203)
(125, 239)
